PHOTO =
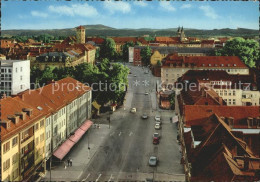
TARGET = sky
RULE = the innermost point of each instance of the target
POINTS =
(130, 14)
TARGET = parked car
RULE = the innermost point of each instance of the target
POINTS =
(153, 161)
(157, 126)
(158, 122)
(144, 116)
(146, 93)
(157, 118)
(156, 141)
(134, 75)
(133, 110)
(156, 135)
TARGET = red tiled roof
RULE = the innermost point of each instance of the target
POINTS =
(204, 61)
(49, 98)
(80, 27)
(122, 40)
(167, 40)
(195, 113)
(97, 40)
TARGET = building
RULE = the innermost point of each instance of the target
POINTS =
(159, 53)
(120, 41)
(2, 57)
(239, 90)
(15, 76)
(38, 124)
(80, 35)
(174, 66)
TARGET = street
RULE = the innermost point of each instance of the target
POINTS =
(126, 150)
(122, 151)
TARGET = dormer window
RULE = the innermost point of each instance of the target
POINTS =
(209, 64)
(216, 65)
(228, 64)
(203, 64)
(222, 64)
(235, 65)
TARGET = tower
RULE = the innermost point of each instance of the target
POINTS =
(80, 34)
(182, 35)
(179, 31)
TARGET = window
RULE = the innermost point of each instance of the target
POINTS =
(14, 142)
(16, 70)
(15, 174)
(234, 92)
(21, 87)
(229, 101)
(37, 141)
(6, 147)
(42, 137)
(6, 164)
(15, 158)
(229, 92)
(21, 77)
(234, 101)
(21, 69)
(36, 126)
(225, 92)
(41, 123)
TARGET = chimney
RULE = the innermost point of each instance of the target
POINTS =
(230, 122)
(246, 163)
(28, 111)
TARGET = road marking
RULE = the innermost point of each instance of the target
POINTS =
(98, 177)
(86, 177)
(110, 178)
(112, 133)
(130, 133)
(119, 133)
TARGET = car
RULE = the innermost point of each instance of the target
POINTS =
(146, 93)
(157, 126)
(134, 75)
(133, 110)
(158, 122)
(156, 135)
(146, 72)
(156, 141)
(144, 116)
(157, 118)
(153, 161)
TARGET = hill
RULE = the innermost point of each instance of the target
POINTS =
(102, 30)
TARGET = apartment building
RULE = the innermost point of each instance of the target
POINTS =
(175, 66)
(43, 120)
(239, 90)
(15, 76)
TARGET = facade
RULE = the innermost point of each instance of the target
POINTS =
(238, 90)
(36, 123)
(15, 76)
(175, 66)
(159, 53)
(2, 57)
(131, 54)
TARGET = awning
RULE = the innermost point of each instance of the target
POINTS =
(175, 119)
(63, 149)
(77, 135)
(86, 125)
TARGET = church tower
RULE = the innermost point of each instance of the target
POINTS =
(179, 31)
(182, 35)
(80, 34)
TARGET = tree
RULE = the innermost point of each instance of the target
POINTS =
(35, 76)
(146, 55)
(108, 49)
(125, 49)
(172, 100)
(246, 50)
(104, 65)
(47, 75)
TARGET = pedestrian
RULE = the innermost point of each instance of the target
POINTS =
(70, 162)
(65, 165)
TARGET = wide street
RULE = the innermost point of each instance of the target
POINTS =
(125, 151)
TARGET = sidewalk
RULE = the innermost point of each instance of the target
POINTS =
(80, 156)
